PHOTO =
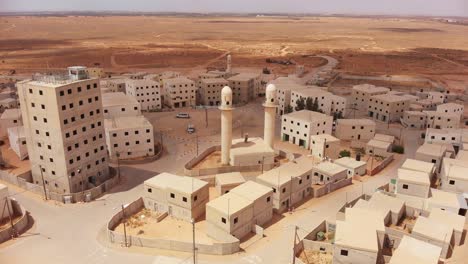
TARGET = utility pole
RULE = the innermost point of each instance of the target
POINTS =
(294, 246)
(193, 241)
(43, 183)
(124, 225)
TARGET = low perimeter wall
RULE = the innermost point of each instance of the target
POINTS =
(19, 226)
(330, 187)
(217, 248)
(381, 166)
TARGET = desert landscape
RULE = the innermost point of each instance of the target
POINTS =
(363, 45)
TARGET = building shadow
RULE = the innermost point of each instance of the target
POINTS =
(131, 177)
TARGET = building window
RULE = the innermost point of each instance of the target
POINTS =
(236, 220)
(344, 252)
(150, 190)
(268, 199)
(223, 220)
(195, 198)
(184, 199)
(405, 186)
(452, 182)
(172, 195)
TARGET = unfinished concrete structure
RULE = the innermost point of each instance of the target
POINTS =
(64, 125)
(361, 94)
(17, 139)
(179, 196)
(210, 90)
(120, 105)
(355, 129)
(179, 92)
(387, 108)
(354, 167)
(129, 137)
(225, 182)
(244, 87)
(146, 92)
(226, 124)
(325, 146)
(298, 127)
(270, 110)
(10, 118)
(290, 183)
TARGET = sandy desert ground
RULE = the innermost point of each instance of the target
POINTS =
(371, 46)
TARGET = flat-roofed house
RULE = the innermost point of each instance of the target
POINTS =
(431, 231)
(290, 183)
(327, 172)
(378, 148)
(181, 197)
(9, 118)
(454, 221)
(415, 183)
(361, 94)
(229, 215)
(225, 182)
(436, 97)
(179, 92)
(252, 152)
(284, 86)
(146, 92)
(298, 127)
(414, 119)
(418, 165)
(353, 166)
(325, 146)
(415, 251)
(448, 201)
(432, 153)
(261, 198)
(392, 209)
(442, 120)
(210, 90)
(355, 129)
(119, 105)
(454, 108)
(457, 137)
(17, 139)
(454, 175)
(327, 102)
(388, 108)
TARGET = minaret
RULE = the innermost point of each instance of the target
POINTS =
(226, 124)
(228, 66)
(270, 109)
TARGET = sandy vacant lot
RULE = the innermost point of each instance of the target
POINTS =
(192, 44)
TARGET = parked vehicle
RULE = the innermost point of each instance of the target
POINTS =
(182, 115)
(190, 129)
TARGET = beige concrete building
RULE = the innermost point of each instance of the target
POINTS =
(414, 119)
(325, 146)
(120, 105)
(298, 127)
(452, 220)
(456, 137)
(96, 72)
(245, 87)
(361, 95)
(17, 139)
(387, 108)
(437, 97)
(454, 175)
(10, 118)
(380, 145)
(415, 251)
(430, 230)
(8, 103)
(354, 167)
(64, 125)
(225, 182)
(129, 137)
(328, 103)
(116, 85)
(425, 104)
(3, 201)
(181, 197)
(210, 90)
(261, 198)
(290, 183)
(452, 108)
(146, 92)
(253, 152)
(179, 92)
(355, 129)
(327, 172)
(442, 120)
(284, 86)
(422, 166)
(414, 183)
(432, 153)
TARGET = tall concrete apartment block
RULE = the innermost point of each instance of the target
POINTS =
(244, 87)
(64, 125)
(179, 92)
(210, 90)
(147, 92)
(361, 94)
(328, 103)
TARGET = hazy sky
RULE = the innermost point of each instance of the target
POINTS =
(395, 7)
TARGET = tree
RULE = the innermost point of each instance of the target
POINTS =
(288, 109)
(309, 104)
(300, 104)
(398, 149)
(315, 106)
(345, 153)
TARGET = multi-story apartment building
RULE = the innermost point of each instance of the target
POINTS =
(146, 92)
(210, 90)
(361, 94)
(387, 108)
(116, 85)
(436, 97)
(456, 137)
(328, 103)
(284, 86)
(244, 87)
(119, 105)
(355, 129)
(129, 137)
(442, 120)
(64, 125)
(451, 108)
(414, 119)
(297, 127)
(179, 92)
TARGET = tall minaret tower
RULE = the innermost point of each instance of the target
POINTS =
(270, 110)
(228, 66)
(226, 124)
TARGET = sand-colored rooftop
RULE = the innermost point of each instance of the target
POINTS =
(327, 137)
(414, 251)
(416, 177)
(253, 145)
(348, 162)
(391, 98)
(329, 168)
(214, 81)
(455, 221)
(283, 174)
(308, 116)
(179, 183)
(432, 229)
(229, 178)
(384, 138)
(126, 122)
(13, 113)
(447, 199)
(373, 143)
(357, 122)
(116, 99)
(435, 150)
(369, 88)
(418, 165)
(251, 190)
(242, 77)
(229, 203)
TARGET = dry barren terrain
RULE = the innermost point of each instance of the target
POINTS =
(151, 43)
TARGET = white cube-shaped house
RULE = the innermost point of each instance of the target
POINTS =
(9, 118)
(405, 253)
(442, 120)
(325, 146)
(181, 197)
(229, 215)
(17, 140)
(354, 167)
(454, 175)
(327, 172)
(418, 165)
(225, 182)
(432, 153)
(261, 198)
(120, 105)
(430, 230)
(378, 148)
(298, 127)
(252, 152)
(453, 220)
(414, 183)
(129, 137)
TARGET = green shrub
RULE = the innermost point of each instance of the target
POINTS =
(398, 149)
(345, 153)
